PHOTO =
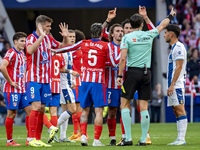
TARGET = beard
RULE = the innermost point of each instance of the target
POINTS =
(168, 40)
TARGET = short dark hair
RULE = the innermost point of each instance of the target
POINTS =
(136, 20)
(111, 30)
(79, 35)
(174, 28)
(71, 31)
(19, 35)
(42, 19)
(96, 30)
(125, 22)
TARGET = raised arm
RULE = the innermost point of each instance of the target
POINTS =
(68, 48)
(32, 48)
(64, 34)
(166, 21)
(110, 17)
(143, 13)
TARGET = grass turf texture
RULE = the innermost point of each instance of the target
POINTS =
(161, 134)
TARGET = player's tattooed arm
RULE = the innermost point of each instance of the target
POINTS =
(110, 17)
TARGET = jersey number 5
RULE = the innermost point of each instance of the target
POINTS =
(92, 56)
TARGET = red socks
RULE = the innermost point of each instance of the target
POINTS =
(122, 126)
(27, 125)
(9, 127)
(75, 123)
(54, 120)
(33, 123)
(111, 126)
(46, 121)
(97, 133)
(79, 116)
(83, 128)
(39, 126)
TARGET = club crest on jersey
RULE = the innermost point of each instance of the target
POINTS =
(179, 52)
(32, 96)
(21, 72)
(14, 104)
(45, 55)
(45, 58)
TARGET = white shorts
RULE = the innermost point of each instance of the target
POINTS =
(67, 96)
(177, 98)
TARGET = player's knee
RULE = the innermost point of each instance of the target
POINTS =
(72, 108)
(112, 113)
(12, 115)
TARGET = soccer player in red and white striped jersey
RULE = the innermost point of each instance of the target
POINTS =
(113, 90)
(12, 67)
(38, 73)
(94, 54)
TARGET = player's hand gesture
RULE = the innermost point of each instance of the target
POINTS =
(42, 32)
(170, 90)
(75, 74)
(111, 15)
(172, 12)
(119, 81)
(73, 86)
(53, 51)
(64, 29)
(142, 11)
(14, 84)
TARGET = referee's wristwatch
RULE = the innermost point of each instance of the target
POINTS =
(119, 76)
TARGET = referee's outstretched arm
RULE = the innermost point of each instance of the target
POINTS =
(166, 21)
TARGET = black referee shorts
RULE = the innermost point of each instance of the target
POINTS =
(135, 79)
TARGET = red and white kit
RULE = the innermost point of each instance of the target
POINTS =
(15, 71)
(38, 64)
(57, 63)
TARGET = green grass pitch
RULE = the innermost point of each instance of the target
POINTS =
(161, 134)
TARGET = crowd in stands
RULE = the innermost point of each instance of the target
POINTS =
(188, 18)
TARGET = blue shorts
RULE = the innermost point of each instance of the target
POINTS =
(135, 97)
(93, 92)
(55, 101)
(16, 100)
(76, 92)
(114, 97)
(38, 92)
(67, 96)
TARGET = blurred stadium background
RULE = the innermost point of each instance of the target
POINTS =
(19, 15)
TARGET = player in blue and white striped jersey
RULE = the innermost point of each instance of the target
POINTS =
(177, 61)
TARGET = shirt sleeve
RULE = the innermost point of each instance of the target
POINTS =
(9, 55)
(69, 48)
(179, 53)
(29, 40)
(62, 62)
(124, 43)
(153, 33)
(105, 34)
(54, 43)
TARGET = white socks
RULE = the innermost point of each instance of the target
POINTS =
(63, 129)
(63, 117)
